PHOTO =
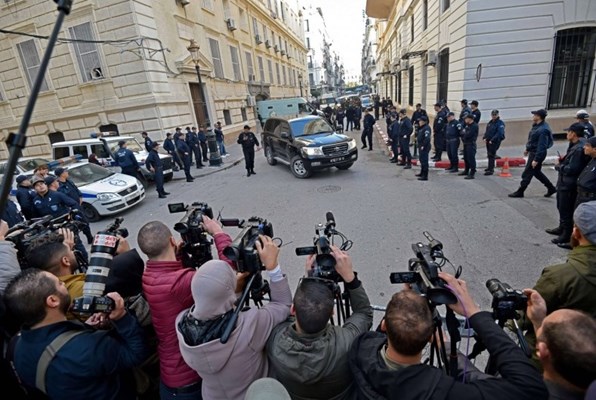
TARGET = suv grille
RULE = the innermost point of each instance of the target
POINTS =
(335, 149)
(128, 190)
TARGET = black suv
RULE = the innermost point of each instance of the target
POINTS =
(307, 144)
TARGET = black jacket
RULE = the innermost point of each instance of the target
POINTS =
(153, 161)
(469, 134)
(440, 122)
(538, 140)
(586, 181)
(495, 131)
(405, 128)
(423, 138)
(571, 166)
(417, 114)
(454, 129)
(369, 122)
(520, 379)
(25, 198)
(248, 140)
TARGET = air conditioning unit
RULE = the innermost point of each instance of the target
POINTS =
(231, 24)
(251, 101)
(431, 57)
(405, 64)
(403, 52)
(267, 44)
(396, 61)
(283, 52)
(276, 48)
(258, 39)
(184, 3)
(273, 15)
(96, 73)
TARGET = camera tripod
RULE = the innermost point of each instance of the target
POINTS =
(438, 353)
(342, 305)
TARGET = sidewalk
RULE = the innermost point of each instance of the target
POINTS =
(513, 153)
(235, 157)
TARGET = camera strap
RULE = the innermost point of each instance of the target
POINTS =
(48, 355)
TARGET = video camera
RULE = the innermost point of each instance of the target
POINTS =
(196, 247)
(242, 250)
(324, 261)
(103, 251)
(506, 300)
(424, 272)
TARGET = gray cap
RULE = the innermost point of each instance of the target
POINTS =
(266, 389)
(584, 218)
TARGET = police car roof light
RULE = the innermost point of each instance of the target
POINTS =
(64, 161)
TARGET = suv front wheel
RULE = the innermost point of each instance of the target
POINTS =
(298, 168)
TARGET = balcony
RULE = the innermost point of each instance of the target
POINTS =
(379, 8)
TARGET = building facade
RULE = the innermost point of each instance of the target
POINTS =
(123, 65)
(512, 55)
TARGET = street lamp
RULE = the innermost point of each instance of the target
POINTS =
(214, 156)
(300, 82)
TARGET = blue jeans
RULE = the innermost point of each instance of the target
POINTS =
(222, 148)
(192, 392)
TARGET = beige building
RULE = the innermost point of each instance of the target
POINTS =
(512, 55)
(124, 65)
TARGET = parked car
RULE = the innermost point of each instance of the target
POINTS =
(366, 102)
(25, 164)
(307, 144)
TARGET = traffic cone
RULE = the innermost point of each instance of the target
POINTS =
(505, 169)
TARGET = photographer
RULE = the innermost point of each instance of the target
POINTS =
(64, 359)
(223, 367)
(566, 348)
(167, 288)
(390, 366)
(308, 355)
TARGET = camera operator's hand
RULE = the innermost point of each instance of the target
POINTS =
(98, 321)
(119, 311)
(241, 281)
(268, 252)
(69, 237)
(3, 229)
(343, 264)
(465, 305)
(123, 245)
(310, 263)
(212, 226)
(536, 309)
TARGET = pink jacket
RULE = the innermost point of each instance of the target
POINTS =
(166, 286)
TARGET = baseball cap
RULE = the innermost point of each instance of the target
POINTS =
(469, 115)
(465, 101)
(266, 389)
(583, 114)
(451, 114)
(21, 179)
(49, 179)
(58, 171)
(494, 112)
(577, 128)
(592, 141)
(584, 218)
(541, 113)
(121, 142)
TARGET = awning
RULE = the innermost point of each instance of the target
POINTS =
(379, 8)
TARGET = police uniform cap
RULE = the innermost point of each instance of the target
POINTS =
(578, 128)
(471, 116)
(403, 111)
(36, 179)
(451, 114)
(592, 141)
(58, 171)
(49, 179)
(21, 179)
(465, 101)
(438, 104)
(474, 103)
(541, 113)
(121, 143)
(582, 114)
(423, 118)
(494, 112)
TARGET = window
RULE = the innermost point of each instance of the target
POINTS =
(573, 63)
(235, 63)
(277, 71)
(226, 9)
(216, 56)
(100, 151)
(87, 53)
(424, 14)
(412, 29)
(261, 68)
(249, 66)
(308, 43)
(270, 68)
(61, 152)
(242, 18)
(265, 35)
(307, 25)
(208, 4)
(30, 60)
(445, 5)
(443, 76)
(309, 61)
(311, 79)
(227, 117)
(283, 68)
(82, 150)
(243, 112)
(255, 26)
(399, 94)
(411, 86)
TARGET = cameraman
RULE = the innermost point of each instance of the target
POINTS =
(64, 359)
(566, 348)
(223, 367)
(308, 355)
(167, 288)
(390, 366)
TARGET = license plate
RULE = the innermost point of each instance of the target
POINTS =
(333, 160)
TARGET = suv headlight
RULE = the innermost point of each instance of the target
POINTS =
(351, 145)
(312, 151)
(107, 196)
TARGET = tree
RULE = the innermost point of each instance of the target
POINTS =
(315, 93)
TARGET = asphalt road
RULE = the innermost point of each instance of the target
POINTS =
(383, 209)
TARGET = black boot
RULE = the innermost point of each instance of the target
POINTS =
(408, 166)
(248, 172)
(252, 171)
(551, 190)
(464, 172)
(555, 231)
(470, 175)
(518, 193)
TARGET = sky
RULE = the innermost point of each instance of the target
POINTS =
(345, 25)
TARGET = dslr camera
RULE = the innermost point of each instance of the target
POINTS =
(506, 300)
(103, 251)
(242, 250)
(196, 247)
(424, 271)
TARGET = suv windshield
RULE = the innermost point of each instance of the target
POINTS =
(304, 127)
(88, 173)
(131, 144)
(305, 108)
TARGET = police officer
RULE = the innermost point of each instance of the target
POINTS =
(168, 146)
(127, 160)
(11, 214)
(69, 188)
(393, 131)
(419, 112)
(493, 136)
(468, 138)
(367, 132)
(584, 118)
(184, 152)
(148, 141)
(586, 182)
(248, 140)
(192, 141)
(538, 142)
(202, 137)
(24, 195)
(453, 134)
(439, 131)
(465, 110)
(155, 165)
(475, 111)
(423, 140)
(405, 131)
(569, 167)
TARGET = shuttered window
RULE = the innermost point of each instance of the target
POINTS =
(30, 60)
(216, 56)
(86, 53)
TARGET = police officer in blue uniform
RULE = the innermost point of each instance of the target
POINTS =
(168, 145)
(586, 182)
(202, 137)
(465, 110)
(11, 214)
(24, 195)
(405, 131)
(453, 134)
(184, 152)
(423, 140)
(367, 132)
(248, 140)
(126, 160)
(439, 131)
(468, 138)
(393, 131)
(148, 141)
(192, 141)
(69, 188)
(584, 118)
(155, 165)
(475, 111)
(493, 136)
